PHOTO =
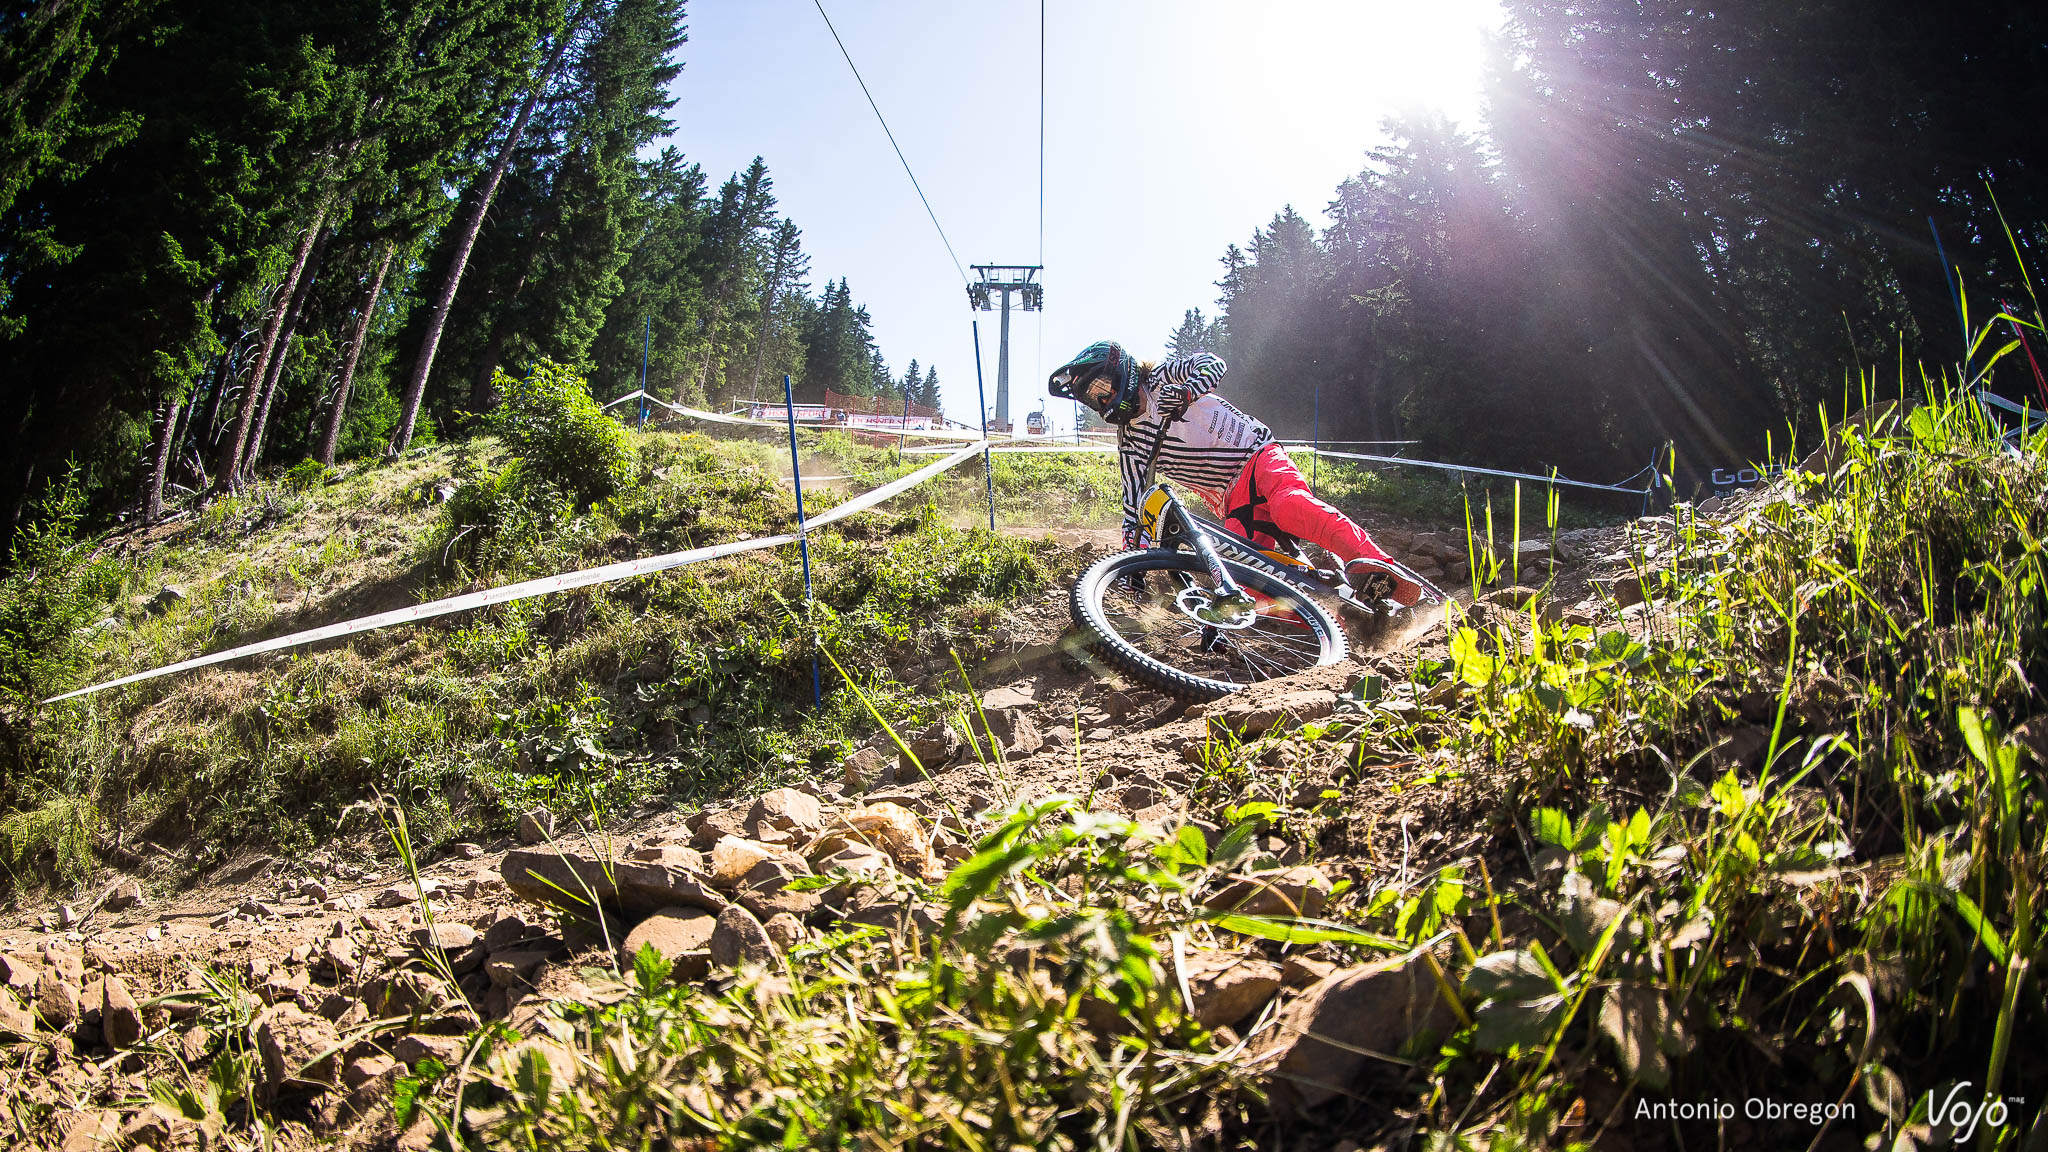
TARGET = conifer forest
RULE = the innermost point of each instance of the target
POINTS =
(235, 236)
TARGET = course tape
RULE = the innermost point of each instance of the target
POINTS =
(542, 586)
(721, 418)
(1027, 446)
(1482, 471)
(1024, 444)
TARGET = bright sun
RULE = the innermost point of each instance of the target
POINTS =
(1293, 73)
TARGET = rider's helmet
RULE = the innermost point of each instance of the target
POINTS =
(1104, 377)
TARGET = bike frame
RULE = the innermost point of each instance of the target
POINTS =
(1162, 518)
(1167, 524)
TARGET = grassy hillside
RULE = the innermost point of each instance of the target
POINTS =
(695, 681)
(1777, 836)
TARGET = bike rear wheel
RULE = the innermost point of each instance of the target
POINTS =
(1158, 635)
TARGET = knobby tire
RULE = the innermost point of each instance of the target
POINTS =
(1319, 629)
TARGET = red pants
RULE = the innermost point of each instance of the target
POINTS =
(1270, 493)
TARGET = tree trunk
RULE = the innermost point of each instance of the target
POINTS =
(710, 346)
(768, 316)
(284, 345)
(355, 352)
(437, 316)
(231, 456)
(160, 460)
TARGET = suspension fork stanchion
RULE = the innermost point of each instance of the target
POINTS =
(1175, 523)
(988, 473)
(803, 543)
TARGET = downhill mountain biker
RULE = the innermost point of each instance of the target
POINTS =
(1170, 413)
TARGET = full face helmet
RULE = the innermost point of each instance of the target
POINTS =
(1104, 377)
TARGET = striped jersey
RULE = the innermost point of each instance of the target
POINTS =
(1208, 440)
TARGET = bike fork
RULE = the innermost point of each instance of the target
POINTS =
(1225, 586)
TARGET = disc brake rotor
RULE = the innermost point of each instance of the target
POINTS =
(1211, 611)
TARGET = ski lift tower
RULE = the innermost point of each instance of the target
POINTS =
(1005, 279)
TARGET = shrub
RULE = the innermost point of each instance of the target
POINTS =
(549, 419)
(306, 474)
(51, 589)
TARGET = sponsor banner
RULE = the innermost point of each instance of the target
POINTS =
(889, 423)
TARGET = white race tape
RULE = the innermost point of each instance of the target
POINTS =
(721, 418)
(540, 587)
(1027, 444)
(1482, 471)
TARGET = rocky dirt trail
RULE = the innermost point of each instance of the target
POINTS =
(340, 975)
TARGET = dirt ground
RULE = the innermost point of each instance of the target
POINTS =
(280, 923)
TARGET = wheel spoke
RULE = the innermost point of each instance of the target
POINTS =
(1286, 631)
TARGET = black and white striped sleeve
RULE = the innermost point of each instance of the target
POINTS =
(1130, 459)
(1186, 379)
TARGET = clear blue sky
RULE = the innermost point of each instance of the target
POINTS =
(1172, 129)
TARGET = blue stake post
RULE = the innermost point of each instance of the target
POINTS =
(796, 479)
(646, 343)
(988, 473)
(1315, 467)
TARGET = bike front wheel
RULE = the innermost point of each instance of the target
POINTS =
(1155, 616)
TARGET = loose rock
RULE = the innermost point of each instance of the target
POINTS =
(785, 810)
(889, 827)
(1297, 891)
(738, 938)
(297, 1050)
(1323, 1036)
(566, 878)
(676, 934)
(536, 826)
(1227, 987)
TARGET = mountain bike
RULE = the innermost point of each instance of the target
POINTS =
(1206, 611)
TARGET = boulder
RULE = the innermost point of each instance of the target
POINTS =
(1297, 891)
(127, 894)
(867, 768)
(677, 934)
(536, 826)
(888, 827)
(1229, 986)
(674, 855)
(17, 1022)
(738, 938)
(57, 999)
(1005, 699)
(708, 828)
(568, 878)
(735, 856)
(1016, 730)
(1141, 791)
(299, 1051)
(166, 598)
(450, 936)
(90, 1130)
(19, 973)
(1246, 716)
(366, 1068)
(517, 969)
(1626, 590)
(512, 931)
(785, 930)
(766, 903)
(785, 810)
(410, 1050)
(1324, 1037)
(930, 750)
